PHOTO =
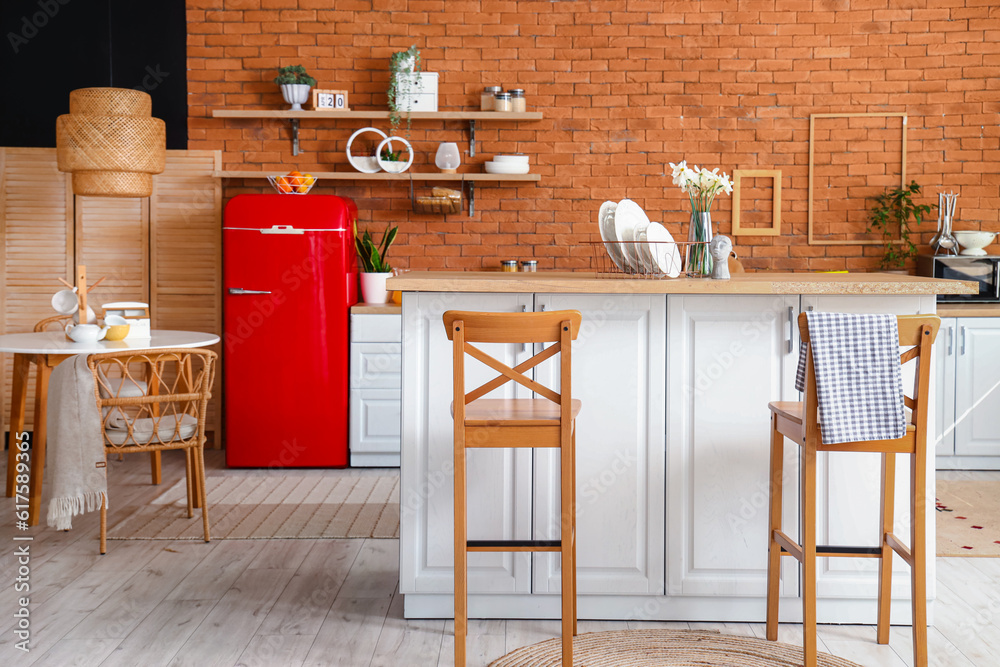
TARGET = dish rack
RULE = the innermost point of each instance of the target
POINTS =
(635, 259)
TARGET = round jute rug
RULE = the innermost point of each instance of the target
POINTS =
(664, 648)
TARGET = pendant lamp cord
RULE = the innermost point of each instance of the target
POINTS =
(111, 71)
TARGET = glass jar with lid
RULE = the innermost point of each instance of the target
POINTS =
(517, 101)
(489, 94)
(501, 102)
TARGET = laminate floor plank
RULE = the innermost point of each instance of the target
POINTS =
(282, 554)
(308, 597)
(223, 563)
(375, 572)
(857, 644)
(231, 625)
(349, 633)
(127, 607)
(155, 640)
(274, 650)
(407, 641)
(78, 652)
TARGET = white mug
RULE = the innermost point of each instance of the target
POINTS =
(85, 333)
(66, 302)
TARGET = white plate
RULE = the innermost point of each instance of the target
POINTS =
(506, 168)
(664, 251)
(628, 217)
(606, 224)
(647, 265)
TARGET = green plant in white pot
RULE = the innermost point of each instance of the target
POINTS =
(295, 84)
(375, 270)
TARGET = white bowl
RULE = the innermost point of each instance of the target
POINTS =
(973, 242)
(506, 168)
(513, 159)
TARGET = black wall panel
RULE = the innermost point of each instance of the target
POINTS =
(50, 47)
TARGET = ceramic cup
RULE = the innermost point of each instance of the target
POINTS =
(118, 327)
(65, 302)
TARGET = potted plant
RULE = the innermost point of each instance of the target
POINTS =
(375, 270)
(295, 84)
(394, 158)
(409, 88)
(892, 209)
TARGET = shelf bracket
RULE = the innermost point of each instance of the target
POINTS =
(472, 197)
(295, 136)
(472, 138)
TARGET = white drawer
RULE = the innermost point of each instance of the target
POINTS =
(376, 328)
(376, 366)
(375, 421)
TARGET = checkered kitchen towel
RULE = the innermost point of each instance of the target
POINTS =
(859, 384)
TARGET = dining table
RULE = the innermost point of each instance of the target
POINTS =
(46, 350)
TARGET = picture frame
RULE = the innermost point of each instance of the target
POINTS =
(331, 100)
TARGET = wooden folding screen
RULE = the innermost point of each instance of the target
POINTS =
(164, 250)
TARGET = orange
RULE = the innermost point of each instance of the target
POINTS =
(305, 183)
(283, 184)
(294, 178)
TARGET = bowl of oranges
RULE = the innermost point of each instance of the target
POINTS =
(293, 183)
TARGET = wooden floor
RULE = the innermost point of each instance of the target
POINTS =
(335, 602)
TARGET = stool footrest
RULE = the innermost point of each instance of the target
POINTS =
(859, 552)
(514, 545)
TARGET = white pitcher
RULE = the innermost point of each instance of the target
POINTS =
(85, 333)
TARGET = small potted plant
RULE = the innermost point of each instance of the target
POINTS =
(395, 158)
(893, 209)
(295, 84)
(375, 270)
(409, 88)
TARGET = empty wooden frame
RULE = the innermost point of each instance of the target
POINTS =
(775, 228)
(812, 130)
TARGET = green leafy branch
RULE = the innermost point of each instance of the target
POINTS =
(372, 256)
(894, 208)
(294, 74)
(402, 68)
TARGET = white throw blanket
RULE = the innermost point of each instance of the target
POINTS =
(76, 473)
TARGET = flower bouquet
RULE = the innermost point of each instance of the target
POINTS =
(701, 187)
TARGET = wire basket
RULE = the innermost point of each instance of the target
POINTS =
(648, 259)
(292, 185)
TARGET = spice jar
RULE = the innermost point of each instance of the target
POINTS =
(509, 266)
(517, 101)
(501, 102)
(529, 265)
(486, 101)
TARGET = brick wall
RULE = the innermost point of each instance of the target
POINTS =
(627, 86)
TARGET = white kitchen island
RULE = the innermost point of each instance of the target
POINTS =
(672, 449)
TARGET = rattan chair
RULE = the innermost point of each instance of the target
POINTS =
(799, 422)
(170, 413)
(528, 422)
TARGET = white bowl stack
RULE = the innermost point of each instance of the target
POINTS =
(508, 164)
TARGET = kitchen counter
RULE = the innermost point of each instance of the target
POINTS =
(581, 282)
(672, 447)
(376, 309)
(968, 309)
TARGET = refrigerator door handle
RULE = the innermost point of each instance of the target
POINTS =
(240, 290)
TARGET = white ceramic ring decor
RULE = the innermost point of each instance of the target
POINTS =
(366, 164)
(394, 166)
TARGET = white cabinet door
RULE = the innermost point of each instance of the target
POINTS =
(618, 374)
(848, 483)
(375, 427)
(944, 406)
(499, 504)
(977, 395)
(727, 357)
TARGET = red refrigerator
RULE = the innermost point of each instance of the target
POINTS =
(289, 279)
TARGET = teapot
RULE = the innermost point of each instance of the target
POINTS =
(85, 333)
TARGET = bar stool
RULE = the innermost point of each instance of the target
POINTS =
(799, 422)
(530, 422)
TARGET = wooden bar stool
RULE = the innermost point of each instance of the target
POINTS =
(530, 422)
(799, 422)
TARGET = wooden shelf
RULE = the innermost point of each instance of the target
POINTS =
(384, 176)
(326, 114)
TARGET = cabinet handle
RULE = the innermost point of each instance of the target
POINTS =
(240, 290)
(951, 340)
(791, 315)
(963, 340)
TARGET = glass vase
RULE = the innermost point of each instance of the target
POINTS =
(698, 261)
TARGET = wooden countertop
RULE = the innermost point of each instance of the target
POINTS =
(968, 310)
(376, 309)
(583, 282)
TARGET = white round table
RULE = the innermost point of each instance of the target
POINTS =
(47, 349)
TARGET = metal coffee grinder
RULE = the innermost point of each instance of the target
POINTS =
(944, 243)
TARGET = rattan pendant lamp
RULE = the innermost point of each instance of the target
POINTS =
(110, 142)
